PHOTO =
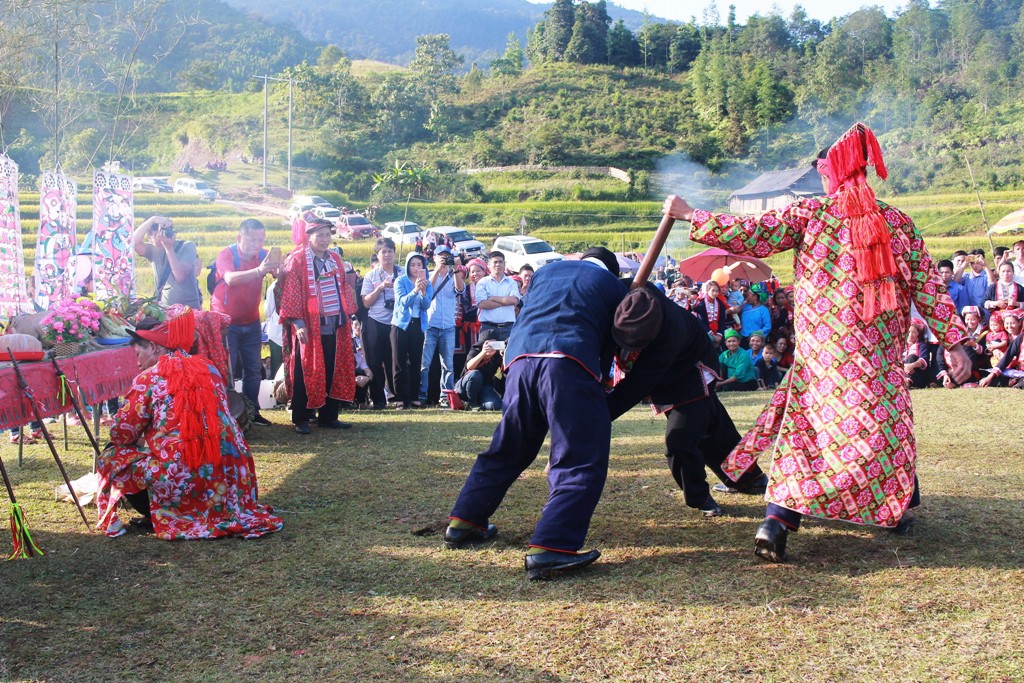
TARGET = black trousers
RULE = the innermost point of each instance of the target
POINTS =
(407, 350)
(379, 358)
(301, 414)
(699, 434)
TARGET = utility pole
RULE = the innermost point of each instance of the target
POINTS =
(265, 78)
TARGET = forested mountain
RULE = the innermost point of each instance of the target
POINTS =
(940, 84)
(386, 30)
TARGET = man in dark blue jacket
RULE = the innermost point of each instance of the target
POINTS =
(559, 349)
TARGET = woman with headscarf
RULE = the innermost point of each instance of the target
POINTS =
(839, 427)
(178, 457)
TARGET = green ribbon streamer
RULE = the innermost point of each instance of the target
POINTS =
(24, 546)
(64, 390)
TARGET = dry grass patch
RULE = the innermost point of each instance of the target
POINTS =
(359, 587)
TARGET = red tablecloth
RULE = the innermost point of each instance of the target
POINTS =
(98, 376)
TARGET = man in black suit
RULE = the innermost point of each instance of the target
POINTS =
(670, 357)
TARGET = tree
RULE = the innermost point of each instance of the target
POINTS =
(558, 25)
(511, 62)
(623, 48)
(404, 180)
(589, 41)
(435, 63)
(684, 48)
(400, 109)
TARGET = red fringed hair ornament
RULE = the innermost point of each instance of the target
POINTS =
(191, 388)
(877, 272)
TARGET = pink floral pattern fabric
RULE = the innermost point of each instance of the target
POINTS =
(215, 501)
(840, 426)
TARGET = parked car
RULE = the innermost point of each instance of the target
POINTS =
(195, 186)
(402, 232)
(299, 210)
(151, 185)
(316, 200)
(353, 226)
(464, 242)
(328, 213)
(522, 249)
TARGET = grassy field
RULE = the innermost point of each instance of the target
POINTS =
(358, 586)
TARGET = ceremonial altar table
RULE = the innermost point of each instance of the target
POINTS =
(97, 376)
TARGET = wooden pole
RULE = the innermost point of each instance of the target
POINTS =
(981, 204)
(651, 257)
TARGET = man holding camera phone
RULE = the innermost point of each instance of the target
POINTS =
(448, 281)
(175, 262)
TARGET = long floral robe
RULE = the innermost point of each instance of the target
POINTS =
(840, 426)
(214, 501)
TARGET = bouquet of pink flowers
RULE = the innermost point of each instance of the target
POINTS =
(71, 320)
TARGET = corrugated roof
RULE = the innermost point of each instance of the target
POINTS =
(775, 182)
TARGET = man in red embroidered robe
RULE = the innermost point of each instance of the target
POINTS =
(840, 426)
(316, 302)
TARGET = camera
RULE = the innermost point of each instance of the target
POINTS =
(389, 304)
(448, 259)
(167, 230)
(498, 345)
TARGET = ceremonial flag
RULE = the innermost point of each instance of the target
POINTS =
(55, 263)
(13, 296)
(113, 217)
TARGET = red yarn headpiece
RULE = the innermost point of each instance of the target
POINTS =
(191, 387)
(848, 160)
(176, 333)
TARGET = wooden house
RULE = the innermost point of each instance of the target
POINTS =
(774, 190)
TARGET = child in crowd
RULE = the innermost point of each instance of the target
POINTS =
(736, 366)
(997, 339)
(915, 363)
(767, 368)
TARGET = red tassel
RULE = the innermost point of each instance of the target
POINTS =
(195, 404)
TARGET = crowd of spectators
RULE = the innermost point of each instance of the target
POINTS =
(431, 331)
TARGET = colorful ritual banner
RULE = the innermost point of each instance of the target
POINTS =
(113, 216)
(13, 295)
(55, 263)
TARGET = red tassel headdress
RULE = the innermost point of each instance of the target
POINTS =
(191, 387)
(877, 272)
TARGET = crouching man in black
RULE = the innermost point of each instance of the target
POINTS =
(668, 355)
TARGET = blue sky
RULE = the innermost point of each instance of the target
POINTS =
(682, 10)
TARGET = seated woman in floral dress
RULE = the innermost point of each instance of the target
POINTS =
(177, 455)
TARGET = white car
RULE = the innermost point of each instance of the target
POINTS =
(158, 185)
(328, 213)
(402, 232)
(316, 200)
(520, 250)
(299, 210)
(195, 186)
(468, 245)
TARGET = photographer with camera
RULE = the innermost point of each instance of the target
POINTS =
(483, 383)
(174, 262)
(448, 281)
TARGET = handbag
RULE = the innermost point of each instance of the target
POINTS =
(459, 312)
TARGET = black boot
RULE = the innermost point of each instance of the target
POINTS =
(770, 541)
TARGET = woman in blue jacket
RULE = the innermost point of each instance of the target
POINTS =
(413, 293)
